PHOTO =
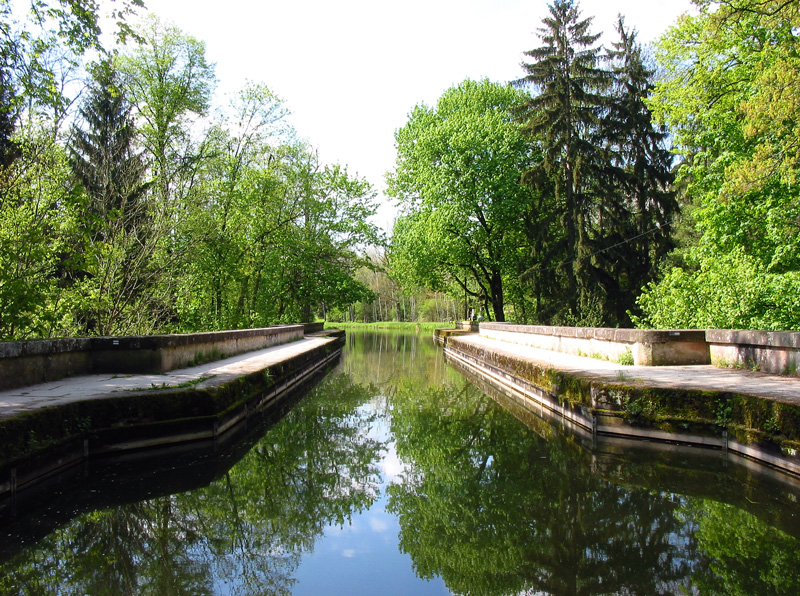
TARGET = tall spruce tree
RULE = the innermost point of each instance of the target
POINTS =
(569, 98)
(104, 158)
(117, 273)
(640, 177)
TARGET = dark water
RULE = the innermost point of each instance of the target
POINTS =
(396, 475)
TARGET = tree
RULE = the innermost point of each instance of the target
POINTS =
(322, 253)
(637, 223)
(117, 275)
(104, 156)
(37, 223)
(38, 43)
(169, 81)
(727, 70)
(458, 178)
(564, 112)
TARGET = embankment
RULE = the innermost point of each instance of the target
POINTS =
(43, 440)
(622, 401)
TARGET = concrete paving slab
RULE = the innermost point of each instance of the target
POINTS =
(696, 377)
(24, 399)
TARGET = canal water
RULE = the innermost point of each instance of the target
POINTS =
(397, 475)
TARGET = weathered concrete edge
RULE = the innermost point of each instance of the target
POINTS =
(222, 407)
(39, 361)
(775, 352)
(616, 409)
(641, 347)
(603, 333)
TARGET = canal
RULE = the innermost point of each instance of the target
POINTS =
(396, 474)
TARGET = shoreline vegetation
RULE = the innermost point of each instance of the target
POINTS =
(395, 325)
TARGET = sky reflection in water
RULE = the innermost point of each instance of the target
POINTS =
(396, 475)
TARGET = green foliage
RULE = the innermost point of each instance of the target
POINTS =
(116, 276)
(170, 82)
(37, 223)
(161, 226)
(457, 176)
(726, 291)
(725, 86)
(604, 224)
(626, 358)
(494, 508)
(727, 536)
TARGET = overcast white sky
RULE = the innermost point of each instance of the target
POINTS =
(351, 70)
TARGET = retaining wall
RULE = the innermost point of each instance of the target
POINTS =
(647, 347)
(48, 440)
(764, 430)
(769, 351)
(43, 360)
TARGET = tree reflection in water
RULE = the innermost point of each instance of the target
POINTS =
(316, 467)
(495, 509)
(491, 506)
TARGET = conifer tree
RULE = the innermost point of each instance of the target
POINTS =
(104, 158)
(570, 95)
(641, 177)
(117, 276)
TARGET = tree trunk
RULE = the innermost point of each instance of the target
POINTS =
(496, 289)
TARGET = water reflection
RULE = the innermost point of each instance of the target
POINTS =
(495, 509)
(243, 533)
(398, 475)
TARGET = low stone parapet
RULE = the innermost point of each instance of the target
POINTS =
(40, 361)
(768, 351)
(627, 346)
(467, 325)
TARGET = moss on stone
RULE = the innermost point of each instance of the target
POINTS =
(33, 431)
(749, 419)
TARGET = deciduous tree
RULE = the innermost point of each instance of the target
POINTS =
(458, 179)
(729, 72)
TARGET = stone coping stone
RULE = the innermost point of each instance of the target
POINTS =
(43, 347)
(313, 327)
(770, 339)
(632, 336)
(154, 342)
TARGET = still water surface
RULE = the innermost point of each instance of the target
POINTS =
(397, 475)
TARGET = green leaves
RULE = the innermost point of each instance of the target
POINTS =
(457, 179)
(729, 94)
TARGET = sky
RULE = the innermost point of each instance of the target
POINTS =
(350, 71)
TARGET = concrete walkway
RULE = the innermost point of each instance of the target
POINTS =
(24, 399)
(704, 378)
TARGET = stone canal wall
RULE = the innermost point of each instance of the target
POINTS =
(775, 352)
(765, 430)
(643, 347)
(43, 360)
(44, 441)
